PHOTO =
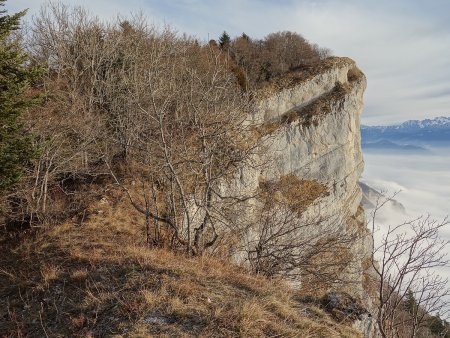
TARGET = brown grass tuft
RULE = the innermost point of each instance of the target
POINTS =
(311, 114)
(294, 192)
(354, 74)
(50, 273)
(292, 79)
(79, 275)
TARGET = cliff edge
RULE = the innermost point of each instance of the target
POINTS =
(310, 123)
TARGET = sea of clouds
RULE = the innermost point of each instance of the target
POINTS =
(423, 185)
(423, 180)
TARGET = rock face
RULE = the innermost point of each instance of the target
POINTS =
(311, 127)
(315, 131)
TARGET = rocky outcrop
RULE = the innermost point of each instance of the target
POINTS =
(311, 127)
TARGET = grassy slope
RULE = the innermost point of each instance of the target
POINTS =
(98, 280)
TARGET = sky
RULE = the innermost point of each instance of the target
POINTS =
(403, 46)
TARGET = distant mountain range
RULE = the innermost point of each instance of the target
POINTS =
(391, 146)
(409, 136)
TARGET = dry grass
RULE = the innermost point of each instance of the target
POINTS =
(354, 74)
(332, 263)
(369, 280)
(79, 275)
(311, 114)
(294, 192)
(323, 105)
(98, 280)
(49, 273)
(292, 79)
(268, 128)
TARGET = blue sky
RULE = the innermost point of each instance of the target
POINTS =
(402, 46)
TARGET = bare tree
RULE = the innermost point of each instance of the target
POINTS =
(150, 100)
(179, 117)
(287, 241)
(68, 125)
(285, 245)
(406, 263)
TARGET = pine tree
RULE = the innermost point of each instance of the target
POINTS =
(245, 37)
(16, 75)
(224, 40)
(410, 303)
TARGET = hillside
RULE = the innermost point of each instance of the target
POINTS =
(386, 146)
(97, 279)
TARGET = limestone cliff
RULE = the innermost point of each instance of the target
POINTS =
(310, 125)
(313, 129)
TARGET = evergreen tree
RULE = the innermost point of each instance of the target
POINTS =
(245, 37)
(224, 40)
(16, 75)
(410, 303)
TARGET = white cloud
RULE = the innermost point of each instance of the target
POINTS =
(423, 180)
(424, 183)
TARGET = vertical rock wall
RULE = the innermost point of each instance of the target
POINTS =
(311, 128)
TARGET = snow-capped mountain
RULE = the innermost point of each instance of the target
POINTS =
(438, 122)
(416, 132)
